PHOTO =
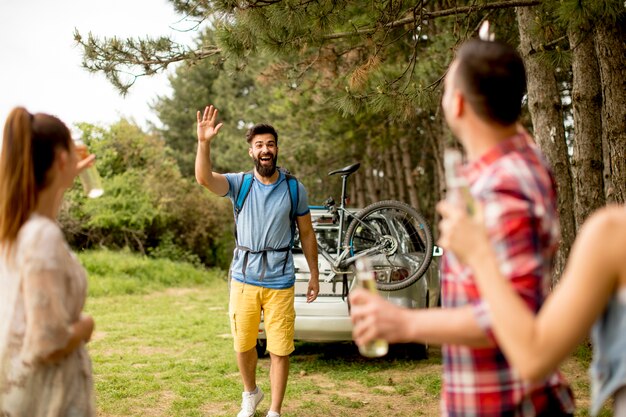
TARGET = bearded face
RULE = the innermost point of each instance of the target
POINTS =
(264, 152)
(265, 164)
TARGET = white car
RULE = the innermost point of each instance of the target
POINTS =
(327, 319)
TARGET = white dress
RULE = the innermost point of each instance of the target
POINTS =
(42, 292)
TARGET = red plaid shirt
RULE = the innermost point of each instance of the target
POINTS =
(517, 191)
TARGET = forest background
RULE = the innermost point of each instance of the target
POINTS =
(343, 81)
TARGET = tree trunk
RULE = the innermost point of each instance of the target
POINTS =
(359, 189)
(544, 102)
(359, 180)
(439, 136)
(397, 163)
(587, 163)
(370, 180)
(407, 171)
(610, 41)
(390, 175)
(381, 192)
(370, 187)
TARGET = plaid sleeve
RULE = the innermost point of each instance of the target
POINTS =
(514, 232)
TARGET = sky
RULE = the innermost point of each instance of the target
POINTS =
(40, 65)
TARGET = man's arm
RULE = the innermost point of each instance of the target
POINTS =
(207, 130)
(376, 318)
(309, 247)
(536, 344)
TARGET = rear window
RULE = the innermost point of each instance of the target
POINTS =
(326, 232)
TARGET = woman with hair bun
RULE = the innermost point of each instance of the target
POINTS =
(44, 367)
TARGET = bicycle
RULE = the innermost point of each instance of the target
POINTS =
(394, 235)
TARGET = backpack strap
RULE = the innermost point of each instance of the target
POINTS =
(292, 183)
(244, 190)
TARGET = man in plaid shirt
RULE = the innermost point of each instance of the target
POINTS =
(509, 177)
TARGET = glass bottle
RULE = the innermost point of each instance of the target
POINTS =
(365, 278)
(458, 192)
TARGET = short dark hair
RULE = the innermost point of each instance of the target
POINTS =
(491, 74)
(261, 129)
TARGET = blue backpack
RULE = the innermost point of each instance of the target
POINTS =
(240, 199)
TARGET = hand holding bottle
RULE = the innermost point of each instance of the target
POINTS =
(365, 279)
(89, 177)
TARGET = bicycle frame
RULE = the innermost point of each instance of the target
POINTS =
(342, 211)
(342, 258)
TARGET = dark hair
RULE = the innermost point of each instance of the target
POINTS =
(261, 129)
(492, 76)
(28, 152)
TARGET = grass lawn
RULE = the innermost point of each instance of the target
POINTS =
(162, 347)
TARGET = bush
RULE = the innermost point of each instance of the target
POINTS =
(147, 207)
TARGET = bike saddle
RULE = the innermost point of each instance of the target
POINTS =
(347, 170)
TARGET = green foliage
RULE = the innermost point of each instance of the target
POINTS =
(148, 206)
(584, 13)
(169, 249)
(113, 273)
(127, 206)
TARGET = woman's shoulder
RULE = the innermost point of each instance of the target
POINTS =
(605, 229)
(39, 229)
(609, 218)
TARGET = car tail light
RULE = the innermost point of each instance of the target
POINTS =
(395, 275)
(399, 274)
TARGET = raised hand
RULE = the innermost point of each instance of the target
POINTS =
(207, 129)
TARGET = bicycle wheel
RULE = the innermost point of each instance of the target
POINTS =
(399, 241)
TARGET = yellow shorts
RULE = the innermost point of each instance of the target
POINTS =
(246, 303)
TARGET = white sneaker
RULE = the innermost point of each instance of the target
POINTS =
(272, 414)
(249, 402)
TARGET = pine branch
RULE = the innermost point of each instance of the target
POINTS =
(440, 13)
(256, 4)
(113, 56)
(261, 3)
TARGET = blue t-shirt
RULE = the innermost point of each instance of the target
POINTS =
(264, 222)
